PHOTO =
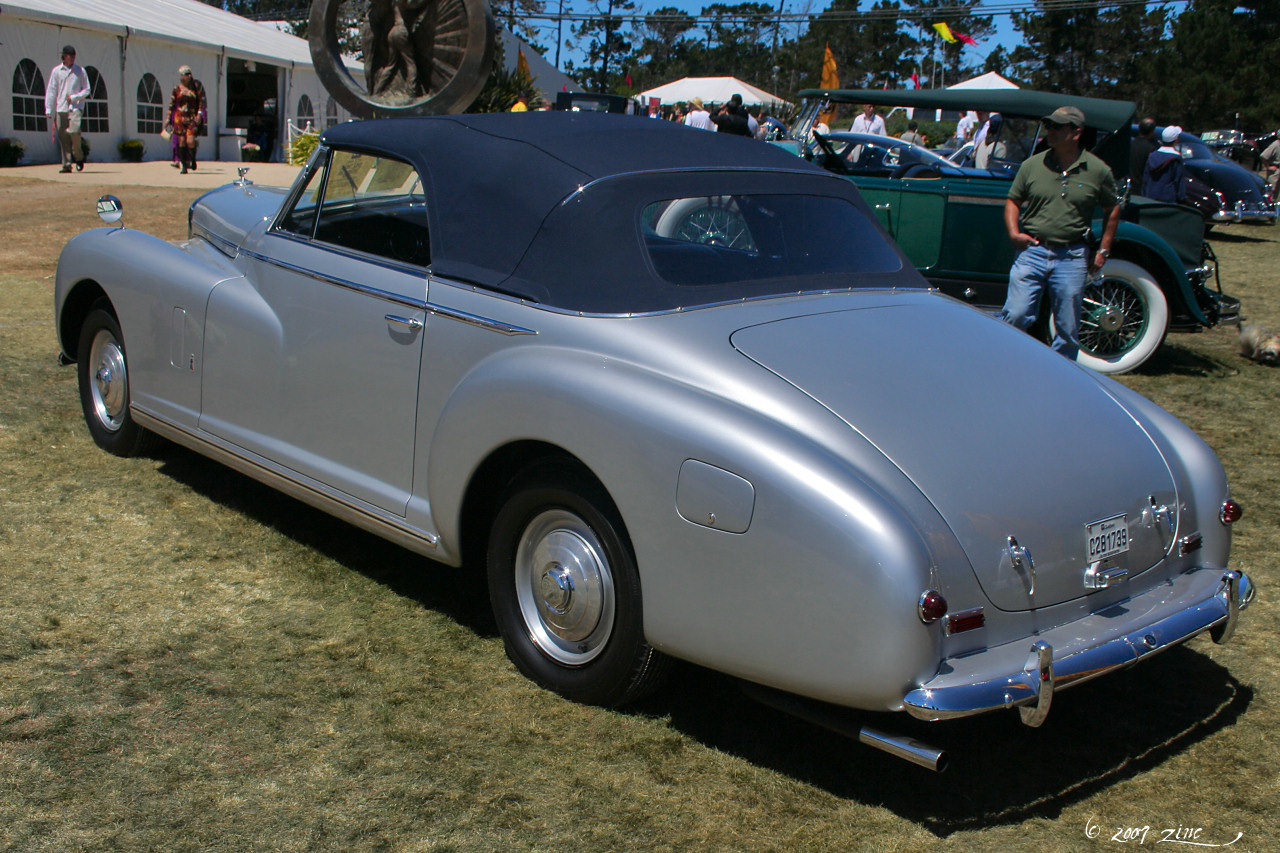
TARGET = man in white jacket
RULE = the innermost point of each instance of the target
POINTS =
(68, 88)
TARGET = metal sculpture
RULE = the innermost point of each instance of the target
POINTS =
(422, 57)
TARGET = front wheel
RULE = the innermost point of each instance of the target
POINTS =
(1124, 319)
(103, 372)
(565, 589)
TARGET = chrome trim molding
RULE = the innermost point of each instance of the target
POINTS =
(977, 199)
(1043, 675)
(321, 497)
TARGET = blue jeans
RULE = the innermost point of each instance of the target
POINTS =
(1064, 273)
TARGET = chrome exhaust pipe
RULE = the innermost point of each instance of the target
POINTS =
(838, 720)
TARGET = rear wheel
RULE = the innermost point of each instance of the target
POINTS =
(1124, 319)
(103, 371)
(565, 589)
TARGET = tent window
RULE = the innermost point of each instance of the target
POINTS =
(28, 98)
(150, 105)
(95, 106)
(305, 113)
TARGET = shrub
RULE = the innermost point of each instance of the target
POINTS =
(131, 150)
(11, 151)
(301, 147)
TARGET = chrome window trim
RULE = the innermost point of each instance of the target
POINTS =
(386, 296)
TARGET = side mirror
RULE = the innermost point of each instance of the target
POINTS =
(110, 209)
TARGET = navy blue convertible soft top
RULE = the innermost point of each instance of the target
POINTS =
(505, 211)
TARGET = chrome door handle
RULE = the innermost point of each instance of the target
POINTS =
(409, 322)
(885, 206)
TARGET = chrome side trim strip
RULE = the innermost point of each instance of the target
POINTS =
(393, 298)
(976, 199)
(337, 504)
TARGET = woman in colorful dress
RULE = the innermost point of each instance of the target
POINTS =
(188, 109)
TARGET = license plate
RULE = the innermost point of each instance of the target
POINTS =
(1106, 538)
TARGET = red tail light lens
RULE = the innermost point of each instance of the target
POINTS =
(1231, 512)
(932, 606)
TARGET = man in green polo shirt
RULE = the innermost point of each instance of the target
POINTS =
(1048, 214)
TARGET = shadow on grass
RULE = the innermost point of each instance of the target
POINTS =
(1001, 772)
(1171, 359)
(1257, 235)
(463, 596)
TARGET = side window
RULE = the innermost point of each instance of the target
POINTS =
(150, 105)
(301, 218)
(28, 97)
(95, 106)
(374, 205)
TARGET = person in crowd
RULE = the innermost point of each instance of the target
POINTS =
(989, 145)
(1164, 177)
(913, 135)
(732, 118)
(1140, 149)
(698, 116)
(753, 119)
(1048, 214)
(869, 122)
(67, 90)
(1271, 162)
(964, 128)
(188, 110)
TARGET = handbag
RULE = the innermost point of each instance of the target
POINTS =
(165, 133)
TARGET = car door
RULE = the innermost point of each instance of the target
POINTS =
(312, 357)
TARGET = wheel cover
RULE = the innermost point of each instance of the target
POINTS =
(564, 587)
(108, 381)
(1114, 318)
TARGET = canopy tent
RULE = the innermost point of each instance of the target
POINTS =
(990, 80)
(712, 90)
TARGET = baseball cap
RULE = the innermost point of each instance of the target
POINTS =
(1066, 115)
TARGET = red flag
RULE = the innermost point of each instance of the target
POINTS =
(964, 38)
(628, 81)
(915, 80)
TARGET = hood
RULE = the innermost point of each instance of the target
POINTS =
(228, 213)
(1161, 159)
(1004, 437)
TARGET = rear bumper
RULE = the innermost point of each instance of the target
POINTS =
(1254, 214)
(1114, 638)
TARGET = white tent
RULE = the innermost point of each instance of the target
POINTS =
(990, 80)
(712, 90)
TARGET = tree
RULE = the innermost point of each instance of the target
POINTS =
(870, 53)
(941, 61)
(606, 45)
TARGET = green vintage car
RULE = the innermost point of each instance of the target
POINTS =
(950, 222)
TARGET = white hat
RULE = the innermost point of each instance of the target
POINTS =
(1170, 134)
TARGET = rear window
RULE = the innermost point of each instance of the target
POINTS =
(726, 239)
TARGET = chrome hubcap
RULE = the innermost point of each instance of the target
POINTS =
(564, 587)
(109, 388)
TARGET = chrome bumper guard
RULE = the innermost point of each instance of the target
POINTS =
(949, 695)
(1241, 213)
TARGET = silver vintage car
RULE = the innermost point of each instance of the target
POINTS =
(680, 397)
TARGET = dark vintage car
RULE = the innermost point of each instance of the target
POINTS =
(1246, 198)
(952, 226)
(1234, 145)
(664, 388)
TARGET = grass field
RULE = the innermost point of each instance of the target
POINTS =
(190, 661)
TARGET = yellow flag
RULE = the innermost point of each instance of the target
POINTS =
(830, 80)
(945, 32)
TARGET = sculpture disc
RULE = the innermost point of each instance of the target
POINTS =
(422, 57)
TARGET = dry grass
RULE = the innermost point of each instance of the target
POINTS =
(189, 661)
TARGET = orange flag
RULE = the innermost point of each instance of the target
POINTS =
(522, 65)
(830, 80)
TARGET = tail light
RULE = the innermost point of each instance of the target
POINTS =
(1231, 512)
(932, 606)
